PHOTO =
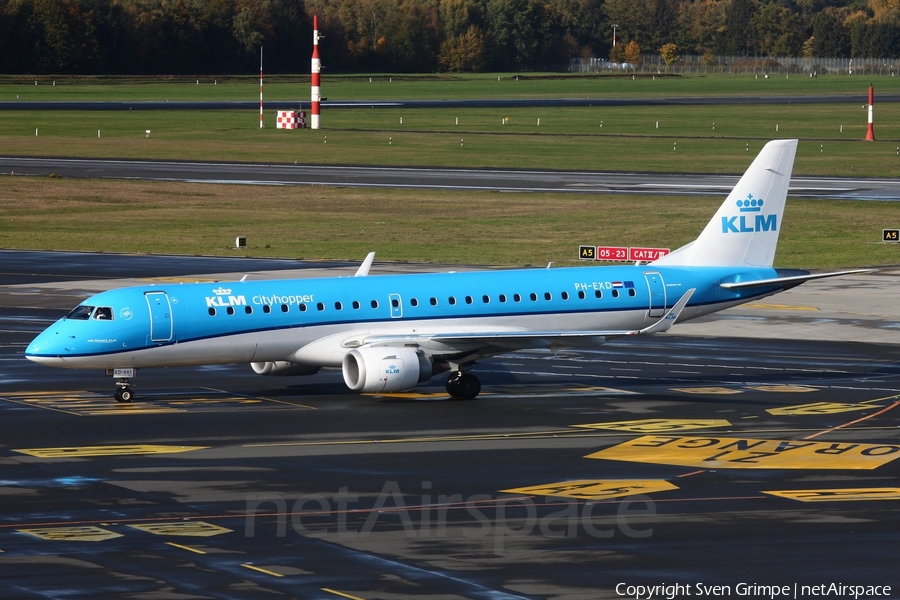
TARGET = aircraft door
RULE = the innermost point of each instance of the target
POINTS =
(396, 306)
(657, 288)
(161, 327)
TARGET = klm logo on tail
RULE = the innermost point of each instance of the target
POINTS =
(750, 223)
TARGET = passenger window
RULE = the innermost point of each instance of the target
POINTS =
(374, 303)
(284, 308)
(517, 298)
(320, 306)
(338, 306)
(581, 295)
(548, 296)
(615, 293)
(395, 303)
(230, 310)
(468, 299)
(80, 313)
(433, 301)
(413, 302)
(302, 307)
(103, 313)
(565, 295)
(533, 297)
(212, 312)
(486, 299)
(598, 294)
(502, 297)
(631, 292)
(266, 308)
(355, 305)
(451, 300)
(248, 310)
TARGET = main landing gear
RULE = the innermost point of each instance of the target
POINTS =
(463, 386)
(123, 391)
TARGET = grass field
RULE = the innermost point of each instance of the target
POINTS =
(426, 226)
(620, 138)
(448, 227)
(446, 86)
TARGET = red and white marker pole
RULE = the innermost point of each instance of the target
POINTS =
(316, 67)
(870, 133)
(261, 125)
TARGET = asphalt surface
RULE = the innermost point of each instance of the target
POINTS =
(459, 103)
(887, 189)
(676, 459)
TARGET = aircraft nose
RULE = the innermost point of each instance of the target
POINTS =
(48, 346)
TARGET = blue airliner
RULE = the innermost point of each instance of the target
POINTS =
(389, 333)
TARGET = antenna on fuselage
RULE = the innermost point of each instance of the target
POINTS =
(244, 278)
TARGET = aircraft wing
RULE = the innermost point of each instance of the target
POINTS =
(787, 282)
(527, 339)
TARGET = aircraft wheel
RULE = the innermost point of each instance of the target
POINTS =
(469, 386)
(453, 385)
(463, 386)
(124, 394)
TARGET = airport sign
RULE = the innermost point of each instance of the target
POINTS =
(620, 253)
(643, 254)
(587, 252)
(616, 253)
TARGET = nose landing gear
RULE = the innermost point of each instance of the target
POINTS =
(123, 391)
(123, 383)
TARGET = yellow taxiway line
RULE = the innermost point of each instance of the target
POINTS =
(341, 594)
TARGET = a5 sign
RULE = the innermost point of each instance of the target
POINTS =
(890, 235)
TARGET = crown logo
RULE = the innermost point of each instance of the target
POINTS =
(751, 204)
(220, 291)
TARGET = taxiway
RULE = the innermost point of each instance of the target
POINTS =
(686, 458)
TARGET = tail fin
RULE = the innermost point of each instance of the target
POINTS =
(745, 230)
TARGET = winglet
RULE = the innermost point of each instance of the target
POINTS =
(365, 266)
(668, 319)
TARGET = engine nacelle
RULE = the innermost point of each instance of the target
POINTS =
(283, 368)
(385, 369)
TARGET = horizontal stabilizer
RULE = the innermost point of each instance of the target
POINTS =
(787, 282)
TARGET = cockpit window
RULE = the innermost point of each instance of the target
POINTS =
(80, 313)
(104, 313)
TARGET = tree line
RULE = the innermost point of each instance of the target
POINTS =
(224, 36)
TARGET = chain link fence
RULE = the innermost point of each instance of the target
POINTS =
(734, 65)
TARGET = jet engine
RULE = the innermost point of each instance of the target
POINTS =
(385, 369)
(283, 368)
